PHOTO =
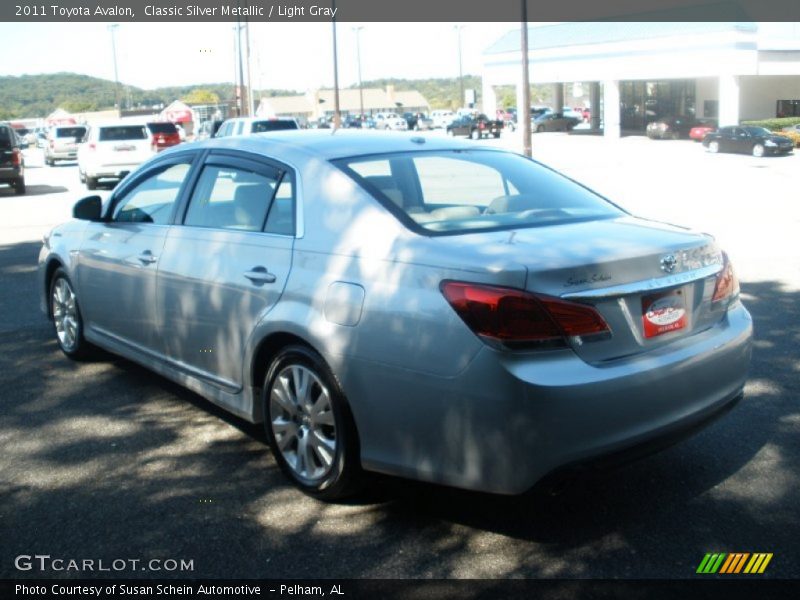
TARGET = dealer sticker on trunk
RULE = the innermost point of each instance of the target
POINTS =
(662, 313)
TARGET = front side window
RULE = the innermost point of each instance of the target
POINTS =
(450, 192)
(152, 200)
(232, 198)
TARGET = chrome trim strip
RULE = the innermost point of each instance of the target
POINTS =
(639, 287)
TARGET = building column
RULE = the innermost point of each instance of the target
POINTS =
(558, 97)
(488, 99)
(594, 104)
(611, 109)
(728, 100)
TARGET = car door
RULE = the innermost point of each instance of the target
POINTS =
(117, 261)
(225, 266)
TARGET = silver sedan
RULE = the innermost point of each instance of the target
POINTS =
(420, 307)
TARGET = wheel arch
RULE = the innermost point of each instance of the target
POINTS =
(53, 264)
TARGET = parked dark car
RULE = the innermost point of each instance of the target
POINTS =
(12, 164)
(475, 127)
(352, 122)
(671, 128)
(553, 121)
(757, 141)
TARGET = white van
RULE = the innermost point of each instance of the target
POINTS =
(442, 118)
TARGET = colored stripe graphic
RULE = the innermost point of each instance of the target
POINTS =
(728, 564)
(711, 563)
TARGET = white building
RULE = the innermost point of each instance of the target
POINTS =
(636, 72)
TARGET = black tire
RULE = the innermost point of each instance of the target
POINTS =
(343, 477)
(713, 146)
(80, 349)
(451, 133)
(49, 162)
(475, 134)
(759, 150)
(19, 186)
(496, 134)
(91, 183)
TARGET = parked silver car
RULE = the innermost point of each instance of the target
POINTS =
(419, 307)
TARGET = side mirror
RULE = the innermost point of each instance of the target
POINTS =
(88, 209)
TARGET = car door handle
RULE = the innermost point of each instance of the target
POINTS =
(147, 258)
(260, 275)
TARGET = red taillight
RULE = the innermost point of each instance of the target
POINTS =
(16, 157)
(727, 283)
(518, 318)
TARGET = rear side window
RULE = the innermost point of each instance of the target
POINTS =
(71, 132)
(120, 133)
(278, 125)
(232, 198)
(168, 128)
(152, 200)
(451, 192)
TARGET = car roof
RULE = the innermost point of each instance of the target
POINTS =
(329, 144)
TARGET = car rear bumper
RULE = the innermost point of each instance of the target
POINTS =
(62, 154)
(509, 420)
(110, 171)
(11, 173)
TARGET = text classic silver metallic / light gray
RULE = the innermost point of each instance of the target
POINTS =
(420, 307)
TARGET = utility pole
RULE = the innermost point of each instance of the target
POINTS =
(250, 109)
(461, 102)
(236, 89)
(358, 57)
(242, 94)
(524, 111)
(337, 118)
(113, 28)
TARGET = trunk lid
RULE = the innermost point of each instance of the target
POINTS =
(651, 282)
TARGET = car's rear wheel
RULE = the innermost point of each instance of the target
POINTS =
(475, 134)
(91, 183)
(19, 186)
(309, 426)
(67, 319)
(758, 150)
(713, 147)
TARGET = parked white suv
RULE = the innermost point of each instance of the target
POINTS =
(442, 118)
(250, 125)
(112, 150)
(389, 120)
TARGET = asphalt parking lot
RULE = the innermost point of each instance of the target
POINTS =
(104, 460)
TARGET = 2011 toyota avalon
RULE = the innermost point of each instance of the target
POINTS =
(419, 307)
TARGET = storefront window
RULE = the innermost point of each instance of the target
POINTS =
(645, 101)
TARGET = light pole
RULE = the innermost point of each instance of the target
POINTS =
(458, 29)
(524, 111)
(236, 87)
(113, 28)
(336, 116)
(358, 57)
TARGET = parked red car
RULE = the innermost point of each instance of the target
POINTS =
(700, 131)
(163, 135)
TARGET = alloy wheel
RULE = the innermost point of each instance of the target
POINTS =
(65, 314)
(303, 422)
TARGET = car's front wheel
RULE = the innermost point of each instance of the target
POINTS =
(758, 150)
(67, 319)
(309, 426)
(713, 147)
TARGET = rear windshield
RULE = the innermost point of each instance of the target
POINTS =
(70, 132)
(162, 128)
(262, 126)
(7, 138)
(452, 192)
(122, 132)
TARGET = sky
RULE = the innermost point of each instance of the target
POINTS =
(296, 56)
